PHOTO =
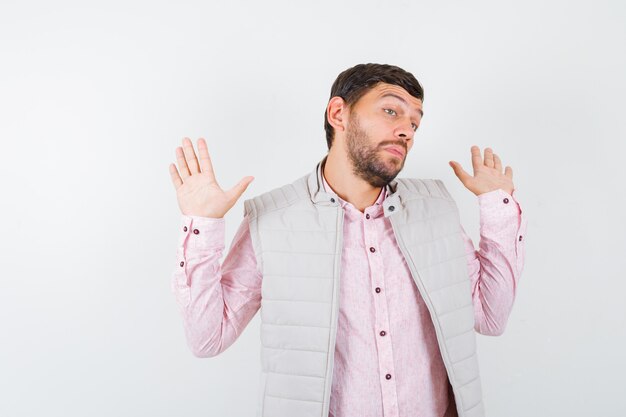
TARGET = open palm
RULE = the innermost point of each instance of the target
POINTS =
(488, 175)
(197, 190)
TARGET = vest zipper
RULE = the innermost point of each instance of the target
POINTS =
(335, 315)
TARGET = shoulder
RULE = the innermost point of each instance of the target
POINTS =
(277, 198)
(423, 187)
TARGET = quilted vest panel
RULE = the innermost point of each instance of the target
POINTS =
(296, 231)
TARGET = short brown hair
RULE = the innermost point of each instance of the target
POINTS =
(354, 82)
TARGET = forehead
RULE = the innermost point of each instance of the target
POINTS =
(384, 91)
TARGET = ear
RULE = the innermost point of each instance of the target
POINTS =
(337, 113)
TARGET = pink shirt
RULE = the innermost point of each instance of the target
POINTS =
(387, 360)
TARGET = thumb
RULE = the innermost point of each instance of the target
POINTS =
(459, 171)
(240, 187)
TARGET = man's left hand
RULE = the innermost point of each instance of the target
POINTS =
(488, 175)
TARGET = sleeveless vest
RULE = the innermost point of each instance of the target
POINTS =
(296, 231)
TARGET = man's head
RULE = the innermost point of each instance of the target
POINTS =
(372, 109)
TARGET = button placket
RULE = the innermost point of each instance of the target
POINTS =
(369, 236)
(381, 313)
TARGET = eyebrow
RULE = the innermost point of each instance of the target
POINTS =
(401, 99)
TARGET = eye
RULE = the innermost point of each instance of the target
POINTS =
(414, 127)
(394, 112)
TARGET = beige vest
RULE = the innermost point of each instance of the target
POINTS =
(296, 232)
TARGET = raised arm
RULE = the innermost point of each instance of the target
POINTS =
(216, 301)
(495, 268)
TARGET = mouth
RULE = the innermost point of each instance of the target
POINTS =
(394, 150)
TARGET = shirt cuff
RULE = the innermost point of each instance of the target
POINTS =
(499, 203)
(198, 232)
(500, 212)
(503, 221)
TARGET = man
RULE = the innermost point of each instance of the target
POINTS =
(371, 292)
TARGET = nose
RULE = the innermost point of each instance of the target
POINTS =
(404, 130)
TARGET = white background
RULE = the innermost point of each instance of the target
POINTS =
(95, 98)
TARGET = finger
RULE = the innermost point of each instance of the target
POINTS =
(508, 171)
(176, 180)
(205, 160)
(182, 163)
(489, 157)
(235, 192)
(497, 163)
(190, 156)
(477, 160)
(459, 171)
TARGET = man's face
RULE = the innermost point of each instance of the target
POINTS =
(380, 132)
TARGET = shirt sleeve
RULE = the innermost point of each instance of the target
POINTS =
(216, 301)
(495, 268)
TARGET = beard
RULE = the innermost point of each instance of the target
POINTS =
(367, 162)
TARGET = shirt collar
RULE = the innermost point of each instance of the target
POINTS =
(375, 209)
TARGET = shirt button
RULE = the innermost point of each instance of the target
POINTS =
(196, 231)
(506, 200)
(367, 216)
(391, 208)
(382, 333)
(332, 200)
(377, 289)
(182, 263)
(520, 238)
(388, 376)
(372, 249)
(185, 229)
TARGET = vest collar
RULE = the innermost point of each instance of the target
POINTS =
(392, 203)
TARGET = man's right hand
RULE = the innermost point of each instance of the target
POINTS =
(197, 191)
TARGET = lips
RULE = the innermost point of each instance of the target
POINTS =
(395, 150)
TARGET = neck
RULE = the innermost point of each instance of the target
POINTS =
(338, 173)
